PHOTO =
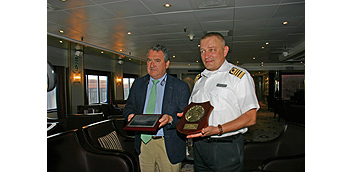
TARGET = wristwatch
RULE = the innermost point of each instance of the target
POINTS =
(220, 130)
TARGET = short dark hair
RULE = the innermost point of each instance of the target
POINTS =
(218, 35)
(161, 48)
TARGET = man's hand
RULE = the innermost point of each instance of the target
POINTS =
(208, 131)
(245, 120)
(165, 119)
(130, 117)
(180, 114)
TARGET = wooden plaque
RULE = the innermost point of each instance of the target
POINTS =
(144, 122)
(195, 118)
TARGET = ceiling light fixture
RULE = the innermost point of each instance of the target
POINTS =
(191, 36)
(129, 33)
(167, 5)
(285, 53)
(267, 43)
(263, 47)
(101, 52)
(285, 23)
(61, 31)
(253, 58)
(60, 41)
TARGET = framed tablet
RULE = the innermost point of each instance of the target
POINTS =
(144, 122)
(195, 118)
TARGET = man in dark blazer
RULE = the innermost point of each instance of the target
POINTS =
(167, 148)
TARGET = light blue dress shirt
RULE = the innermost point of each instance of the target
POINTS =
(160, 87)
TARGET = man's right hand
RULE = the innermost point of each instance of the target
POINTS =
(130, 117)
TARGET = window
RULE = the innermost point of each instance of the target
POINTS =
(128, 80)
(51, 100)
(127, 84)
(96, 88)
(291, 84)
(51, 88)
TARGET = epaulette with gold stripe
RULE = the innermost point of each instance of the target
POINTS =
(197, 77)
(237, 72)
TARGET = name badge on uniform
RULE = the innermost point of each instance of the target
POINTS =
(221, 85)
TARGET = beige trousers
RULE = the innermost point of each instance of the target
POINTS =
(153, 157)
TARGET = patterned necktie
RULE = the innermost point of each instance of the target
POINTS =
(150, 109)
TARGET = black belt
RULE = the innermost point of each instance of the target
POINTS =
(157, 137)
(222, 139)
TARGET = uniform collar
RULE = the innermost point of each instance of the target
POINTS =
(223, 68)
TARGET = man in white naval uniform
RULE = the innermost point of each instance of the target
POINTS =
(230, 90)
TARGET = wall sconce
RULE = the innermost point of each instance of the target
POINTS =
(118, 81)
(76, 77)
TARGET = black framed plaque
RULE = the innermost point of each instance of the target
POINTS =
(144, 122)
(195, 118)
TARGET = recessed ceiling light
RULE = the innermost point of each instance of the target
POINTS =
(101, 52)
(267, 43)
(129, 33)
(167, 5)
(120, 50)
(198, 45)
(129, 59)
(253, 58)
(285, 23)
(61, 31)
(60, 41)
(197, 61)
(173, 56)
(263, 47)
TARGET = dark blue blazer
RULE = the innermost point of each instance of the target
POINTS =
(176, 97)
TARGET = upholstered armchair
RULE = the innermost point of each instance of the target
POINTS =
(285, 153)
(66, 154)
(106, 136)
(110, 111)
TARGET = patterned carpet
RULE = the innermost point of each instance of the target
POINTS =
(266, 128)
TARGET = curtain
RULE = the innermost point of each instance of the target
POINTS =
(110, 87)
(60, 94)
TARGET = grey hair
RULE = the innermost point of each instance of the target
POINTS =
(161, 48)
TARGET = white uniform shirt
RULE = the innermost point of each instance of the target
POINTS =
(231, 95)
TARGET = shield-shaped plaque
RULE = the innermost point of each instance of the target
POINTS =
(195, 118)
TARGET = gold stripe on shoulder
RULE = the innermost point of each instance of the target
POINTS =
(237, 72)
(197, 77)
